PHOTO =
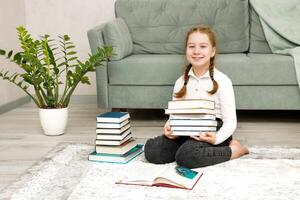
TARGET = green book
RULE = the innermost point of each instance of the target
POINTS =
(117, 158)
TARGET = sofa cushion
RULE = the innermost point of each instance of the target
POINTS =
(243, 69)
(160, 26)
(146, 69)
(117, 35)
(258, 42)
(258, 69)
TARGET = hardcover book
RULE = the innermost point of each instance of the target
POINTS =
(189, 133)
(193, 128)
(193, 122)
(116, 158)
(113, 136)
(113, 142)
(122, 149)
(114, 117)
(193, 116)
(190, 111)
(164, 176)
(112, 125)
(191, 103)
(112, 130)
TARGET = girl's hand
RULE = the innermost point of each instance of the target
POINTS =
(168, 132)
(208, 137)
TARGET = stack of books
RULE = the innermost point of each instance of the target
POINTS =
(114, 141)
(190, 117)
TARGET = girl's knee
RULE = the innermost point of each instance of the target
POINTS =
(190, 157)
(151, 150)
(159, 150)
(183, 157)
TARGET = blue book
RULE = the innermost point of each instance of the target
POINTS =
(113, 117)
(117, 158)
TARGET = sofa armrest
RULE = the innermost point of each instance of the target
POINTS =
(95, 36)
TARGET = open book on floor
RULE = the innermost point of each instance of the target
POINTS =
(162, 175)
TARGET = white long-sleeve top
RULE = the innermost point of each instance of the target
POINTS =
(197, 88)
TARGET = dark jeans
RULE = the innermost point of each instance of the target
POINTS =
(186, 151)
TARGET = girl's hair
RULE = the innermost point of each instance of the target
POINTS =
(211, 36)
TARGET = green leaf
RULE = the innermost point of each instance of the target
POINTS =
(78, 70)
(61, 64)
(27, 78)
(2, 52)
(27, 68)
(85, 80)
(73, 58)
(66, 38)
(70, 47)
(56, 70)
(71, 53)
(10, 53)
(17, 57)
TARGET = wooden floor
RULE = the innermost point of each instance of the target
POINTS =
(22, 142)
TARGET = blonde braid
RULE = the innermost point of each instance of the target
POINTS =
(186, 78)
(211, 74)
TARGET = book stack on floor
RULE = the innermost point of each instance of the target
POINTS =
(114, 141)
(190, 117)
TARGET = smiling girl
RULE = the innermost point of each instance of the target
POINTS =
(201, 80)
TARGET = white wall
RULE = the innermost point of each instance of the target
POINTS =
(72, 17)
(12, 14)
(53, 17)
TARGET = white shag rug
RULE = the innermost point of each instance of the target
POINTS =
(65, 173)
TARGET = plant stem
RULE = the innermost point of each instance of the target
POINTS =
(38, 95)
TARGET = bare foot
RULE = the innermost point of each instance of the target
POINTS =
(237, 149)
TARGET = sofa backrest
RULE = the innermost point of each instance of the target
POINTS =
(258, 42)
(160, 26)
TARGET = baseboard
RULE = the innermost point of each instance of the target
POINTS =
(14, 104)
(75, 99)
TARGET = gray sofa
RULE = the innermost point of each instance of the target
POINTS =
(148, 36)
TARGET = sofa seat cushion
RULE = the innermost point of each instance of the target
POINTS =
(258, 69)
(243, 69)
(146, 69)
(160, 26)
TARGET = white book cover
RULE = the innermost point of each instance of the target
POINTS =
(191, 103)
(113, 142)
(112, 125)
(193, 128)
(192, 122)
(193, 116)
(114, 136)
(112, 130)
(189, 133)
(190, 111)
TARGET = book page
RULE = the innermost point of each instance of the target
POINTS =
(170, 176)
(144, 175)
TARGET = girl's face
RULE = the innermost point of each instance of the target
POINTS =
(199, 50)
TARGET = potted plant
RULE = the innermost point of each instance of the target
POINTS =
(53, 70)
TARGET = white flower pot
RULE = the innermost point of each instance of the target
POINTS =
(54, 121)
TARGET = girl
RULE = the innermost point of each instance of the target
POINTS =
(200, 80)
